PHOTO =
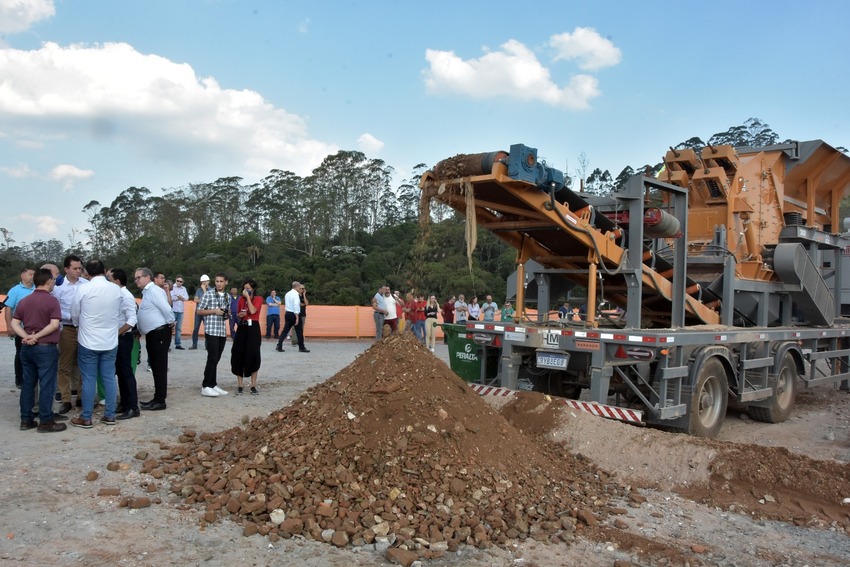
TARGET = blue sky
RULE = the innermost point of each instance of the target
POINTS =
(100, 95)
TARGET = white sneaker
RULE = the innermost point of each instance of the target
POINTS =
(220, 391)
(209, 392)
(431, 349)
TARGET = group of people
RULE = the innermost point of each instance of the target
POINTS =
(77, 333)
(393, 314)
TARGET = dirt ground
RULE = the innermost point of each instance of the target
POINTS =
(759, 495)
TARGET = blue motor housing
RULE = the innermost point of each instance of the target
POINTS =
(523, 166)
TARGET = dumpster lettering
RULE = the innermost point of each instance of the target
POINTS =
(467, 354)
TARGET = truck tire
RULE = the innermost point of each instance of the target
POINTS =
(709, 400)
(784, 394)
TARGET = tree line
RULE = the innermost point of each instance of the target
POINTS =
(342, 230)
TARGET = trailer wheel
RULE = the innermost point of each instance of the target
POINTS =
(784, 394)
(709, 401)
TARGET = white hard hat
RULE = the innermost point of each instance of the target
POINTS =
(205, 278)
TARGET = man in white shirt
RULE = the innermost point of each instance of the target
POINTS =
(179, 296)
(69, 376)
(96, 312)
(292, 301)
(379, 306)
(155, 321)
(461, 310)
(391, 318)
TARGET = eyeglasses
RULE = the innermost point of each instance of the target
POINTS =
(179, 281)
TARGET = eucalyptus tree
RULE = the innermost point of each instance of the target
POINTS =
(752, 133)
(348, 189)
(278, 204)
(124, 221)
(93, 230)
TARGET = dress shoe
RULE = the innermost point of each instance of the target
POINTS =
(51, 427)
(144, 405)
(278, 348)
(59, 417)
(155, 406)
(303, 350)
(193, 347)
(178, 347)
(27, 425)
(79, 422)
(129, 414)
(65, 407)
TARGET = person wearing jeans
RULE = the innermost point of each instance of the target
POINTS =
(179, 297)
(95, 311)
(379, 306)
(36, 323)
(93, 362)
(273, 304)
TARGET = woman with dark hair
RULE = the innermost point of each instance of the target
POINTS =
(245, 354)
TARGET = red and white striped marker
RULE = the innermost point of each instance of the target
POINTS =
(600, 410)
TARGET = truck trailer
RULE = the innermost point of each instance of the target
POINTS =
(710, 284)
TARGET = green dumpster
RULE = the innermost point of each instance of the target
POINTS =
(465, 357)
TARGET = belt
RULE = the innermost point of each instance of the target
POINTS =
(69, 325)
(160, 328)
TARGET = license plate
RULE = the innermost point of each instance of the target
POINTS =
(552, 360)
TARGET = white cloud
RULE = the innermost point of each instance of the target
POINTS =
(304, 26)
(588, 47)
(513, 72)
(369, 144)
(113, 93)
(18, 172)
(43, 225)
(18, 15)
(69, 174)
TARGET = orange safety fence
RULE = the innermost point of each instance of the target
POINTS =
(323, 321)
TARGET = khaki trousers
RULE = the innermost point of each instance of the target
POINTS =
(69, 370)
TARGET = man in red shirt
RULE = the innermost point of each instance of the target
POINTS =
(36, 322)
(409, 310)
(448, 315)
(419, 318)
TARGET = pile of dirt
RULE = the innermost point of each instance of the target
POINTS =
(774, 483)
(766, 482)
(393, 449)
(533, 413)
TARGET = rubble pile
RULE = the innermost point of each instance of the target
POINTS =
(395, 450)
